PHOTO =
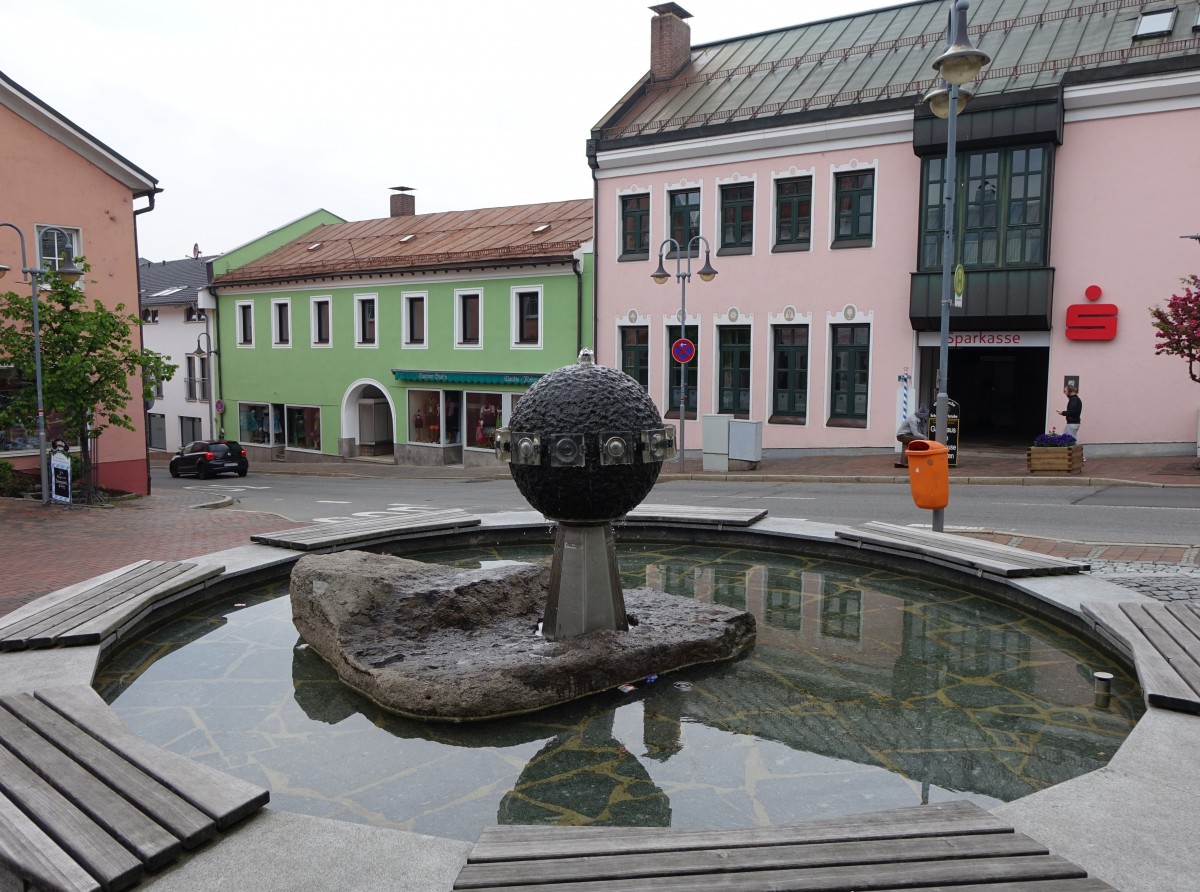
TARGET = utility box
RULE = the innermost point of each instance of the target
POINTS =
(714, 433)
(745, 445)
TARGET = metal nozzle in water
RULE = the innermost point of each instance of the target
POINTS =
(1103, 689)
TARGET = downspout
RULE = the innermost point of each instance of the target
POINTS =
(149, 194)
(594, 164)
(214, 340)
(577, 268)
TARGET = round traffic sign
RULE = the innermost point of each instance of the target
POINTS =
(683, 350)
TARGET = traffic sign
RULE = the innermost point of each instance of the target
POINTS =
(960, 285)
(683, 350)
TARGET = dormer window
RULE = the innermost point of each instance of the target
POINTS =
(1155, 23)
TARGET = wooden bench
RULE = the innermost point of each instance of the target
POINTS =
(85, 804)
(696, 516)
(367, 531)
(927, 847)
(957, 551)
(99, 611)
(1163, 640)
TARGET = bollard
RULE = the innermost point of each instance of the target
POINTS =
(1103, 689)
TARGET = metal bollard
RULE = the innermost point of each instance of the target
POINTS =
(1103, 689)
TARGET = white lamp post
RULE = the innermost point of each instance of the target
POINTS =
(683, 275)
(70, 273)
(958, 65)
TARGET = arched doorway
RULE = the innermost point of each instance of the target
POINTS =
(368, 422)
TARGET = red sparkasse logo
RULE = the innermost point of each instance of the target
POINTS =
(1091, 322)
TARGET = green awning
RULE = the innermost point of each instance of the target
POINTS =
(425, 377)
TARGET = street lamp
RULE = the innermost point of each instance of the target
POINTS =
(71, 274)
(683, 275)
(958, 65)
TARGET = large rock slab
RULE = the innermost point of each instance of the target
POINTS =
(435, 642)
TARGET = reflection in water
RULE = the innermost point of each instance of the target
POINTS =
(866, 690)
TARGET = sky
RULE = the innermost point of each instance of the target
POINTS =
(252, 114)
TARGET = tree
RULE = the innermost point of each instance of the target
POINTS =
(1178, 326)
(88, 360)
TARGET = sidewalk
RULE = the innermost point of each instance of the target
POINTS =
(46, 548)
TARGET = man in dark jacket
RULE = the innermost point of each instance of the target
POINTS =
(1073, 411)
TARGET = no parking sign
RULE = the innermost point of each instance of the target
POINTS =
(683, 350)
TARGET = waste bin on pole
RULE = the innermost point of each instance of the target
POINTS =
(929, 474)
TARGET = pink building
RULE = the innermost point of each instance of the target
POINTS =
(56, 175)
(806, 160)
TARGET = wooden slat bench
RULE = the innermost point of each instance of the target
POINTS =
(85, 804)
(1163, 639)
(367, 531)
(958, 551)
(928, 847)
(695, 515)
(93, 614)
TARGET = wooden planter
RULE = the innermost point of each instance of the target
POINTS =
(1055, 459)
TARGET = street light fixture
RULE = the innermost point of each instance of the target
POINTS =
(958, 65)
(70, 274)
(683, 275)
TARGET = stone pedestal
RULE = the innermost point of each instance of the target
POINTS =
(585, 558)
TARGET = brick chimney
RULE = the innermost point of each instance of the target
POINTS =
(404, 203)
(670, 41)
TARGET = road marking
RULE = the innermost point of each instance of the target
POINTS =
(788, 498)
(332, 502)
(205, 487)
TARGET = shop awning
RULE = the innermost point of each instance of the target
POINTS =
(511, 379)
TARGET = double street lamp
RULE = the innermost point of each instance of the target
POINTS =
(683, 275)
(958, 65)
(70, 273)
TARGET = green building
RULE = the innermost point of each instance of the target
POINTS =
(404, 339)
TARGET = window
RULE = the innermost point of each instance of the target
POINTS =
(789, 395)
(158, 390)
(156, 431)
(468, 321)
(685, 216)
(281, 323)
(149, 317)
(414, 319)
(635, 353)
(364, 321)
(254, 423)
(1158, 23)
(527, 317)
(737, 218)
(193, 314)
(1001, 212)
(196, 381)
(321, 332)
(245, 324)
(851, 374)
(485, 413)
(57, 245)
(302, 425)
(189, 429)
(855, 209)
(635, 227)
(733, 387)
(676, 372)
(793, 214)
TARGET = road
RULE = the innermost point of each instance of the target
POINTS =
(1167, 516)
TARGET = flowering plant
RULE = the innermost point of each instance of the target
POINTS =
(1053, 439)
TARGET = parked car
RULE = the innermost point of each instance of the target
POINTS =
(207, 458)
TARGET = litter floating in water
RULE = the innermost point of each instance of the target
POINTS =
(650, 679)
(627, 688)
(683, 686)
(239, 605)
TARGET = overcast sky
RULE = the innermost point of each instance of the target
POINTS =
(253, 113)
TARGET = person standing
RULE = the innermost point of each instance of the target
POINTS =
(913, 428)
(1073, 411)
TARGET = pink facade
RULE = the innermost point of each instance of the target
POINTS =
(57, 175)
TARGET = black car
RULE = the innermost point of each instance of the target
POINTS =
(207, 458)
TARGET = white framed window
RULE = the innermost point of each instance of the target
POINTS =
(56, 245)
(364, 320)
(150, 316)
(194, 314)
(468, 319)
(415, 319)
(527, 317)
(281, 322)
(321, 321)
(245, 323)
(196, 381)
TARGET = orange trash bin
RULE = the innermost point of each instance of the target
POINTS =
(929, 473)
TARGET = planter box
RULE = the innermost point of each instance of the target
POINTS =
(1055, 459)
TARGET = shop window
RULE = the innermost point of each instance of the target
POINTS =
(675, 372)
(737, 218)
(484, 415)
(789, 392)
(855, 209)
(254, 423)
(635, 227)
(635, 353)
(849, 386)
(425, 422)
(733, 383)
(302, 426)
(793, 214)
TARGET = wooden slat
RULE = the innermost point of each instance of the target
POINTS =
(1169, 640)
(914, 875)
(367, 530)
(503, 843)
(978, 547)
(153, 845)
(1073, 884)
(34, 857)
(696, 515)
(223, 798)
(1162, 685)
(73, 831)
(619, 866)
(180, 817)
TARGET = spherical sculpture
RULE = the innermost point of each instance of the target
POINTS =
(586, 443)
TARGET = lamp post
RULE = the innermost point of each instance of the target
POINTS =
(958, 65)
(683, 275)
(209, 353)
(71, 274)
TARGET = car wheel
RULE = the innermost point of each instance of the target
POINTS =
(243, 473)
(174, 471)
(202, 471)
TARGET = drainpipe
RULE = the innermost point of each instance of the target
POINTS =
(149, 195)
(214, 340)
(577, 268)
(594, 164)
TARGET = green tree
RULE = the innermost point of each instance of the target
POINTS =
(88, 360)
(1178, 325)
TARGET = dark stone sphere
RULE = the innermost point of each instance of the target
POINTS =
(585, 399)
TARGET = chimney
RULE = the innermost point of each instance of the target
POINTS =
(670, 41)
(404, 203)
